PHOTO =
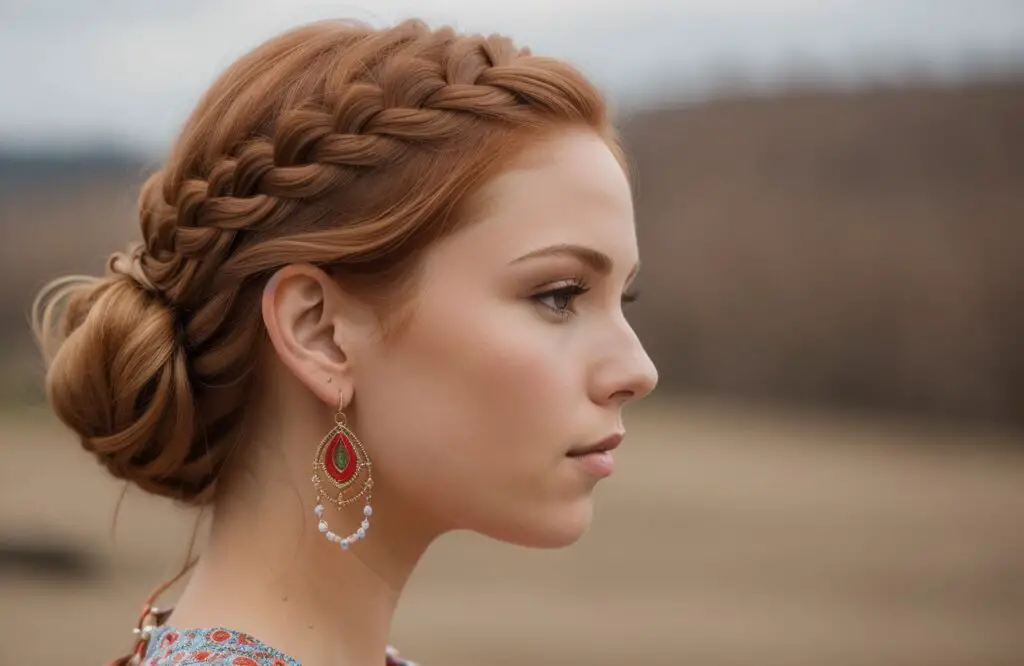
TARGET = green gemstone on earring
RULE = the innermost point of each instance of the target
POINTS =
(341, 457)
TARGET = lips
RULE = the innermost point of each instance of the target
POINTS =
(596, 459)
(607, 444)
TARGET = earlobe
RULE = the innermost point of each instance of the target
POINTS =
(299, 308)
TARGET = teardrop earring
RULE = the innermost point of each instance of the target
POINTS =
(342, 462)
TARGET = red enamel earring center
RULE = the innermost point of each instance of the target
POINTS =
(340, 459)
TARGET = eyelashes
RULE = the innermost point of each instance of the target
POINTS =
(561, 299)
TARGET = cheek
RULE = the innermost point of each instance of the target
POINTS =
(472, 403)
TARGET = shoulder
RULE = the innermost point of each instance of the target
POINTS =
(394, 659)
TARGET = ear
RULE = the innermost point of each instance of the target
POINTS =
(309, 321)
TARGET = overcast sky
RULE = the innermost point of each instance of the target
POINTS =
(128, 71)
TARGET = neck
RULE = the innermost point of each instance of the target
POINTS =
(267, 571)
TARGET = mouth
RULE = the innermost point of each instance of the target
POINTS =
(607, 444)
(596, 460)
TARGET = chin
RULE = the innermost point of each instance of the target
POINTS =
(557, 528)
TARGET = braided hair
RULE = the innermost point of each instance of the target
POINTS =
(336, 144)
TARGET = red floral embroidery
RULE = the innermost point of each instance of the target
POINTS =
(243, 661)
(178, 657)
(201, 655)
(219, 636)
(169, 638)
(278, 662)
(244, 640)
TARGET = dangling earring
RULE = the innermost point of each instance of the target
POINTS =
(343, 462)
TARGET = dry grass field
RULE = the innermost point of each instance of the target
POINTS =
(729, 536)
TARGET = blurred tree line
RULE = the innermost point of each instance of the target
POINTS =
(846, 249)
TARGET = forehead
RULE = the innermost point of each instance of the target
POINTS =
(565, 188)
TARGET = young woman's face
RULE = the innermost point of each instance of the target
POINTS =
(516, 355)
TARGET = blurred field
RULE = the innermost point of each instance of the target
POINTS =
(729, 536)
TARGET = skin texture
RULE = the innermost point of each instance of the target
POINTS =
(467, 414)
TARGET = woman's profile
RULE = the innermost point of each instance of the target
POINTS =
(378, 297)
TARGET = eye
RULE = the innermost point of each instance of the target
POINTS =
(560, 300)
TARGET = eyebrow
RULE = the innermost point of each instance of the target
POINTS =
(597, 261)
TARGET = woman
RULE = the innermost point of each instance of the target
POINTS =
(378, 298)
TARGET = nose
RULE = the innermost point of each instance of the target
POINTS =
(626, 373)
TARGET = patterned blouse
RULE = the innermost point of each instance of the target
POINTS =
(168, 646)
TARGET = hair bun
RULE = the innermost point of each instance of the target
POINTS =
(118, 377)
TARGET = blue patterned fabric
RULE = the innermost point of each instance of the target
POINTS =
(218, 646)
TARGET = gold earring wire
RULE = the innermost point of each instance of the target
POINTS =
(339, 416)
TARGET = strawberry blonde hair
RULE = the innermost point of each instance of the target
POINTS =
(335, 144)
